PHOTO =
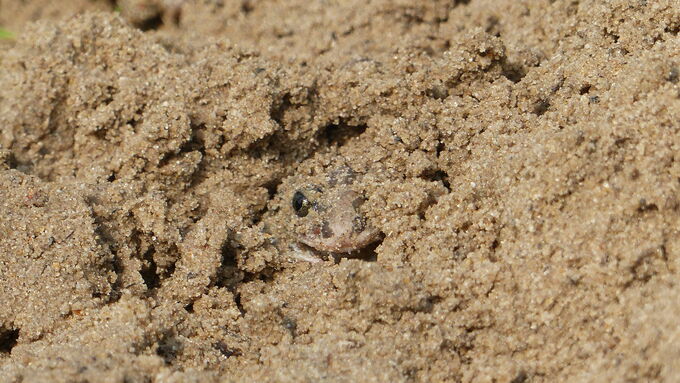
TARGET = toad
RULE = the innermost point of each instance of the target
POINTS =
(328, 216)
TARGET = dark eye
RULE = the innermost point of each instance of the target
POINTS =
(300, 204)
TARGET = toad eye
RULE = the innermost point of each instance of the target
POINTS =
(300, 204)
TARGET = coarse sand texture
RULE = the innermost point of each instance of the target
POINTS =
(339, 191)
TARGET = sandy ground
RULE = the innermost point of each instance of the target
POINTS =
(517, 158)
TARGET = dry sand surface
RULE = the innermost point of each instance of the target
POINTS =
(516, 157)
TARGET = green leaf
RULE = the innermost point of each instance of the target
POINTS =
(5, 34)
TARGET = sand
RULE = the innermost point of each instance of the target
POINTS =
(518, 158)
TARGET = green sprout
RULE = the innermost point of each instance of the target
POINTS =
(5, 34)
(117, 9)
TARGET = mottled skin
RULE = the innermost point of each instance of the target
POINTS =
(328, 216)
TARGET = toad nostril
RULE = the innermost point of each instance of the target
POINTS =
(357, 202)
(326, 230)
